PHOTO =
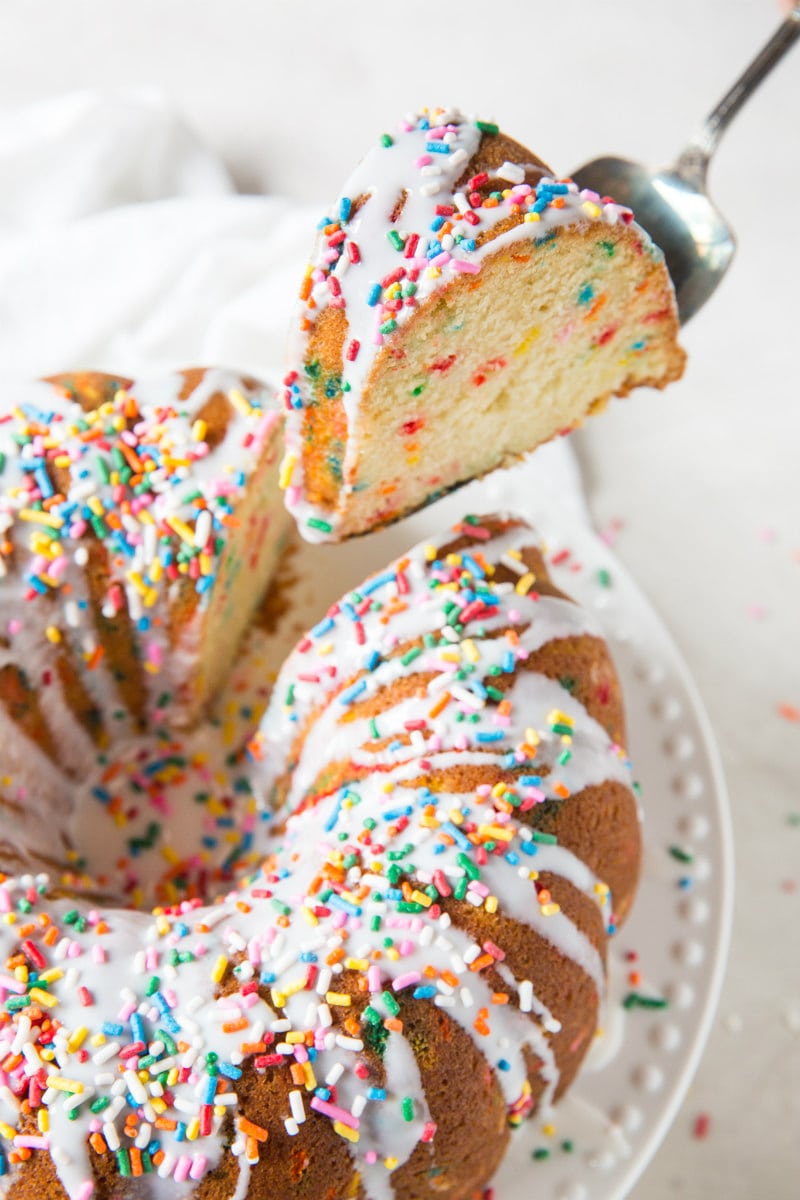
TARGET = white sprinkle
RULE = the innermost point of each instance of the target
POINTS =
(106, 1052)
(525, 996)
(335, 1074)
(136, 1087)
(466, 998)
(291, 1127)
(111, 1136)
(513, 172)
(297, 1107)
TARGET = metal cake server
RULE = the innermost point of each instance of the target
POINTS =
(673, 204)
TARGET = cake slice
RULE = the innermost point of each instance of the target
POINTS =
(462, 306)
(139, 524)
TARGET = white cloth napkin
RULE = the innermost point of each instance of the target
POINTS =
(124, 246)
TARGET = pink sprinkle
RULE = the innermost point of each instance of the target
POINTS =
(12, 985)
(371, 1157)
(701, 1126)
(424, 160)
(198, 1167)
(406, 947)
(334, 1112)
(373, 978)
(465, 268)
(182, 1168)
(442, 259)
(85, 1191)
(14, 626)
(404, 981)
(32, 1143)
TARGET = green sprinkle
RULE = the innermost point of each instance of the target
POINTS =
(100, 1103)
(391, 1003)
(636, 1000)
(395, 239)
(568, 1146)
(682, 856)
(604, 578)
(408, 1108)
(123, 1161)
(386, 140)
(544, 839)
(410, 655)
(488, 127)
(469, 866)
(541, 1153)
(388, 326)
(318, 523)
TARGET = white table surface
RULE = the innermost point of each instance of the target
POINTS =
(702, 484)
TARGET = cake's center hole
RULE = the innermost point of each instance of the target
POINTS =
(167, 819)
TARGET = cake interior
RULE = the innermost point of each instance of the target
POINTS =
(496, 364)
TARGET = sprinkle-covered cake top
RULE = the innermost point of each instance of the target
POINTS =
(129, 1031)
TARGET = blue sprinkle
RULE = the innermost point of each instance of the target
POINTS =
(496, 735)
(137, 1028)
(336, 901)
(324, 626)
(530, 780)
(437, 223)
(229, 1070)
(373, 659)
(112, 1030)
(504, 1065)
(424, 992)
(378, 581)
(211, 1090)
(180, 1132)
(374, 295)
(398, 812)
(350, 694)
(528, 848)
(437, 147)
(458, 837)
(345, 204)
(376, 1093)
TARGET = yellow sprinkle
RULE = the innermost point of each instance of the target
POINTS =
(295, 1036)
(350, 1135)
(43, 1120)
(287, 470)
(496, 833)
(158, 1104)
(297, 985)
(8, 1133)
(278, 998)
(181, 528)
(356, 964)
(456, 816)
(393, 953)
(532, 216)
(533, 875)
(523, 347)
(42, 518)
(62, 460)
(99, 1039)
(550, 910)
(77, 1038)
(64, 1085)
(240, 401)
(43, 997)
(173, 1076)
(412, 460)
(525, 583)
(548, 1130)
(430, 552)
(325, 648)
(342, 999)
(199, 430)
(53, 634)
(155, 570)
(470, 650)
(421, 898)
(557, 717)
(51, 975)
(490, 904)
(193, 1129)
(145, 517)
(593, 210)
(220, 966)
(311, 1079)
(601, 889)
(135, 578)
(390, 1163)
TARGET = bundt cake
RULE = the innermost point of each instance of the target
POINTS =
(139, 522)
(462, 305)
(417, 963)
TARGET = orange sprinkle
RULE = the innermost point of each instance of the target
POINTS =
(98, 1143)
(249, 1129)
(393, 1025)
(500, 998)
(234, 1026)
(136, 1160)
